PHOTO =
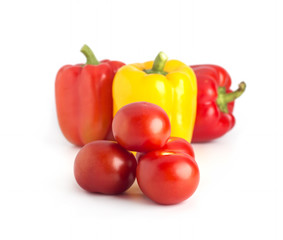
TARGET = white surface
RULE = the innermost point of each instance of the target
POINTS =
(240, 193)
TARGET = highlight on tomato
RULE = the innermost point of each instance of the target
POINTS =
(174, 144)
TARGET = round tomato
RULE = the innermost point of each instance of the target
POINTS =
(141, 127)
(167, 177)
(104, 167)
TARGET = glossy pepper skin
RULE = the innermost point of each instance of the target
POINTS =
(215, 102)
(168, 84)
(84, 99)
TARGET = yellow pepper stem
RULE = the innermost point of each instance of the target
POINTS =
(158, 64)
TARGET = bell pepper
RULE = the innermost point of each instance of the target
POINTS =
(215, 102)
(168, 84)
(83, 95)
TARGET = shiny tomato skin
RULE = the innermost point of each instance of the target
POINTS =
(179, 145)
(104, 167)
(141, 127)
(167, 178)
(176, 145)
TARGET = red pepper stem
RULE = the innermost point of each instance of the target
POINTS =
(224, 98)
(158, 64)
(90, 57)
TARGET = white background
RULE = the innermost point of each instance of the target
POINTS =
(240, 194)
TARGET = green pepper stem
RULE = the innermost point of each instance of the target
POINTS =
(224, 98)
(158, 64)
(90, 57)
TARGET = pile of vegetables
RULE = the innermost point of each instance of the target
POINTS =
(137, 121)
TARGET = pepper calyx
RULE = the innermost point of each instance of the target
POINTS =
(90, 57)
(158, 65)
(224, 98)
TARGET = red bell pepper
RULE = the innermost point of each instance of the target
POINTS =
(83, 95)
(215, 102)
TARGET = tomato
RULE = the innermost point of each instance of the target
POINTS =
(167, 177)
(141, 127)
(104, 167)
(174, 144)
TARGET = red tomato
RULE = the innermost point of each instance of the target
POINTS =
(176, 145)
(104, 167)
(167, 177)
(141, 127)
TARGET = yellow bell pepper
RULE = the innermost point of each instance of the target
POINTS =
(169, 84)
